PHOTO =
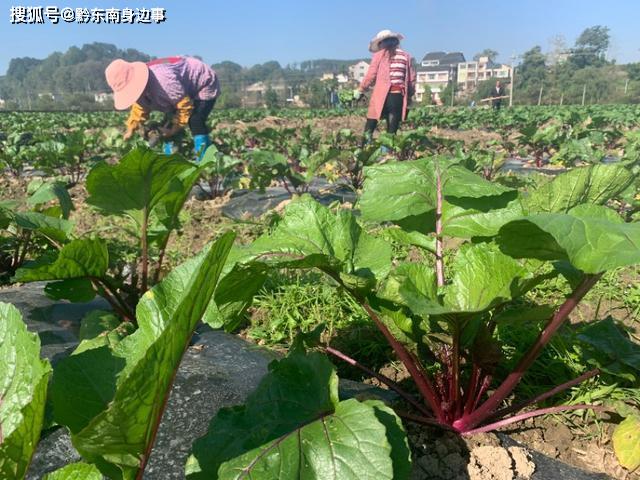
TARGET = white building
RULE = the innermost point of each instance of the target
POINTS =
(340, 77)
(102, 97)
(436, 71)
(358, 70)
(470, 73)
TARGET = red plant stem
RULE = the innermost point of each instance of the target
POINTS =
(112, 298)
(145, 250)
(424, 420)
(417, 373)
(163, 249)
(25, 248)
(384, 379)
(509, 384)
(474, 382)
(534, 413)
(439, 246)
(543, 396)
(454, 394)
(486, 383)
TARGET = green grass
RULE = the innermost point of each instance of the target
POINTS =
(304, 301)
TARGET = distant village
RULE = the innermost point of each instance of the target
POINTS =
(435, 72)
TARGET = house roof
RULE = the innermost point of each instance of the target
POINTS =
(433, 56)
(445, 58)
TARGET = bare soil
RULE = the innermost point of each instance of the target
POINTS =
(442, 455)
(356, 124)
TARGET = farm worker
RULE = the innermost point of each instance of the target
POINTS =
(392, 72)
(184, 86)
(496, 94)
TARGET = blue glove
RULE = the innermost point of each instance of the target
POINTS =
(200, 144)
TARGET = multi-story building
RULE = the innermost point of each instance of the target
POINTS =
(102, 97)
(436, 71)
(358, 70)
(338, 77)
(470, 73)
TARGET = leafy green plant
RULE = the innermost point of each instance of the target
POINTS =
(114, 421)
(67, 155)
(147, 189)
(23, 391)
(219, 172)
(27, 234)
(266, 167)
(16, 152)
(433, 314)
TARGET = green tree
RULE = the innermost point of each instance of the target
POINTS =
(591, 47)
(271, 98)
(530, 75)
(633, 69)
(487, 52)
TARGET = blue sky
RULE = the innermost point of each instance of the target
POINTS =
(254, 31)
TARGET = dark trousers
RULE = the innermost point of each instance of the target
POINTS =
(198, 118)
(392, 112)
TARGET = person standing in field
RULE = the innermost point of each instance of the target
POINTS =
(496, 94)
(392, 72)
(185, 87)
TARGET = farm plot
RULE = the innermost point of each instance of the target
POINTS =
(486, 298)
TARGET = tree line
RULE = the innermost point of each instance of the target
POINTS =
(563, 75)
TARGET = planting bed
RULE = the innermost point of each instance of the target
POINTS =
(463, 272)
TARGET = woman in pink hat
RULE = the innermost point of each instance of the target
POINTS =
(392, 72)
(184, 86)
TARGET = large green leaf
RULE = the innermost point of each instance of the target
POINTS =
(410, 238)
(398, 190)
(75, 471)
(43, 192)
(167, 212)
(405, 193)
(72, 289)
(626, 443)
(593, 184)
(139, 182)
(590, 243)
(112, 397)
(482, 277)
(57, 229)
(23, 389)
(81, 258)
(292, 426)
(479, 217)
(238, 285)
(310, 235)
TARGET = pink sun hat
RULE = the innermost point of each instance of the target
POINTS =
(127, 80)
(374, 45)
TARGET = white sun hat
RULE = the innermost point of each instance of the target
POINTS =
(374, 45)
